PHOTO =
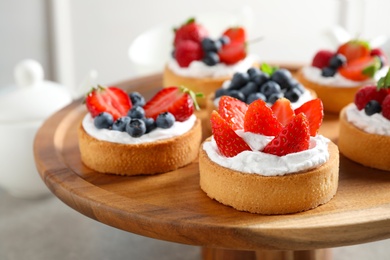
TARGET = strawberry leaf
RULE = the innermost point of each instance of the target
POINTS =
(373, 68)
(384, 82)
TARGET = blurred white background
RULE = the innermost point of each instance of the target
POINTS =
(70, 37)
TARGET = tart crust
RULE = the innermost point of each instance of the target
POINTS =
(205, 85)
(270, 195)
(333, 98)
(370, 150)
(136, 159)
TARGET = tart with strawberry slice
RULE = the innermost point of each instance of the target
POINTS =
(121, 133)
(336, 75)
(365, 126)
(268, 160)
(202, 63)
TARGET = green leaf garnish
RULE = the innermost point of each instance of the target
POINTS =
(268, 69)
(384, 82)
(373, 68)
(193, 96)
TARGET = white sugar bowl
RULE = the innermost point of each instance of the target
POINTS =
(23, 109)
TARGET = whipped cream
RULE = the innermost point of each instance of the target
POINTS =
(178, 128)
(374, 124)
(256, 162)
(198, 69)
(314, 74)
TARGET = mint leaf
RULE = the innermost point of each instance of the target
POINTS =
(268, 69)
(372, 69)
(384, 82)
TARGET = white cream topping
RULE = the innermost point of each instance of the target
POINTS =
(198, 69)
(178, 128)
(256, 162)
(314, 74)
(374, 124)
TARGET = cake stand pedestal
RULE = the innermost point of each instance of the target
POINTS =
(172, 207)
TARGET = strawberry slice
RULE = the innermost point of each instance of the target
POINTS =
(236, 34)
(354, 49)
(360, 69)
(228, 142)
(293, 138)
(179, 101)
(283, 111)
(232, 53)
(314, 113)
(233, 111)
(260, 119)
(190, 30)
(112, 100)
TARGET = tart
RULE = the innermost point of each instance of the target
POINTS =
(336, 75)
(365, 128)
(268, 160)
(121, 133)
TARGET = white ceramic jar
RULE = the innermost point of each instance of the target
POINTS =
(23, 108)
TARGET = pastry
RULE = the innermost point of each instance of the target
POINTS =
(201, 63)
(336, 75)
(268, 160)
(121, 134)
(365, 126)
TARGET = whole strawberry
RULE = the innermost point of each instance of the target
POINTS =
(321, 58)
(191, 31)
(354, 49)
(112, 100)
(232, 53)
(235, 34)
(188, 51)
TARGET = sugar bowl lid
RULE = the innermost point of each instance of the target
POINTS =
(32, 98)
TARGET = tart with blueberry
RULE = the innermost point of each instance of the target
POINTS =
(202, 63)
(336, 75)
(122, 132)
(365, 126)
(268, 160)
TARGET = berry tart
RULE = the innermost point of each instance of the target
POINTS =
(365, 126)
(122, 132)
(268, 160)
(202, 63)
(336, 75)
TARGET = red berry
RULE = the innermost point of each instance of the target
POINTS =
(314, 112)
(232, 53)
(282, 110)
(228, 142)
(322, 58)
(112, 100)
(367, 93)
(360, 69)
(233, 111)
(386, 107)
(236, 34)
(190, 31)
(188, 51)
(354, 49)
(380, 53)
(293, 138)
(175, 100)
(260, 119)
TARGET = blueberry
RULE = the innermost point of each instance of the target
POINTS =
(270, 87)
(255, 96)
(249, 88)
(221, 92)
(337, 61)
(260, 78)
(149, 123)
(120, 124)
(236, 94)
(239, 80)
(224, 40)
(292, 94)
(209, 45)
(210, 58)
(382, 60)
(299, 87)
(253, 71)
(136, 127)
(136, 112)
(282, 77)
(372, 107)
(328, 72)
(273, 97)
(165, 120)
(103, 120)
(137, 99)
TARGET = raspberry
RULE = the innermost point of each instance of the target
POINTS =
(386, 107)
(368, 93)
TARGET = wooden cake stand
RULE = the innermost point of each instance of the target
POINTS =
(172, 207)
